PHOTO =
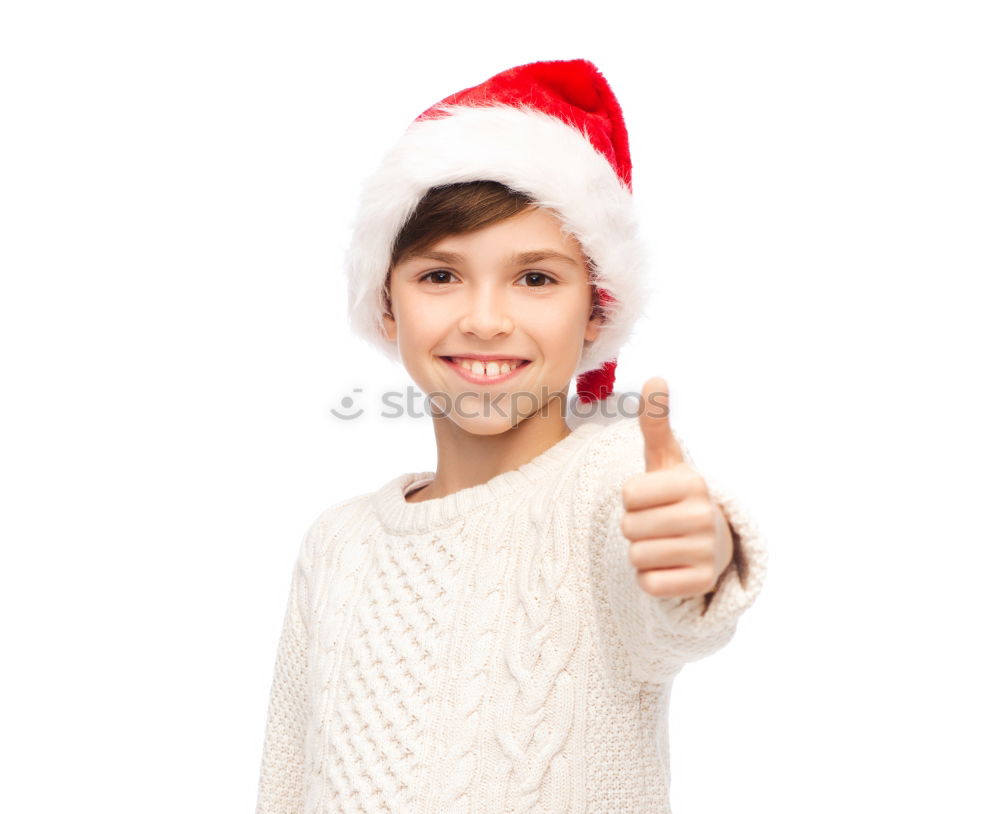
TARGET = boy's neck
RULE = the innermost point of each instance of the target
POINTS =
(466, 459)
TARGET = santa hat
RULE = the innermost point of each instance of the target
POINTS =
(552, 130)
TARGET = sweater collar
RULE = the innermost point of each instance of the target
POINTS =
(398, 516)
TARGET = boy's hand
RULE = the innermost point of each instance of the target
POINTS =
(681, 541)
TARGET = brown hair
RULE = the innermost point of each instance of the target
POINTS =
(454, 209)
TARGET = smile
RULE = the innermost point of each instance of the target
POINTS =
(481, 371)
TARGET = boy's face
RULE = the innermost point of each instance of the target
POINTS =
(472, 294)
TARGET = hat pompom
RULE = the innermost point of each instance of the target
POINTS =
(595, 385)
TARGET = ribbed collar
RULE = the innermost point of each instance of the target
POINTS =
(399, 517)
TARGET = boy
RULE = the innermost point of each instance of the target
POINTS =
(501, 635)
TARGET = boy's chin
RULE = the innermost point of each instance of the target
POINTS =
(493, 425)
(487, 416)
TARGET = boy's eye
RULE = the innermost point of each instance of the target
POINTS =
(437, 276)
(535, 279)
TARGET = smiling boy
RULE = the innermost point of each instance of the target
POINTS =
(517, 290)
(502, 634)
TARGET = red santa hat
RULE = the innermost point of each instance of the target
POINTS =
(552, 130)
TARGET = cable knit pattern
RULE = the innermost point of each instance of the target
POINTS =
(488, 651)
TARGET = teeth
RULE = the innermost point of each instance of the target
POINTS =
(492, 368)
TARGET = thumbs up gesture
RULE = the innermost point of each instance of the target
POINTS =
(680, 540)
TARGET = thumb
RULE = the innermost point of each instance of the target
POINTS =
(662, 449)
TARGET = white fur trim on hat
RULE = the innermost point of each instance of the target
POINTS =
(528, 151)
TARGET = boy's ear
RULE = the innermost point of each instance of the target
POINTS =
(596, 321)
(388, 321)
(389, 327)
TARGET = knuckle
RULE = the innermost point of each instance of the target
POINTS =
(694, 482)
(706, 551)
(703, 515)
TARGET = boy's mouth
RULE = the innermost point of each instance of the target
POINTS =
(484, 370)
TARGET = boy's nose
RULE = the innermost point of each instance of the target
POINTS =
(486, 317)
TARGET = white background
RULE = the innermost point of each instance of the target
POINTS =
(819, 184)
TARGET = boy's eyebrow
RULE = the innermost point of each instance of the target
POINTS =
(524, 258)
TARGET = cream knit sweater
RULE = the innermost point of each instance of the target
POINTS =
(489, 651)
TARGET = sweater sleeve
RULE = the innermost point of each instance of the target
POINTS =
(281, 786)
(660, 634)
